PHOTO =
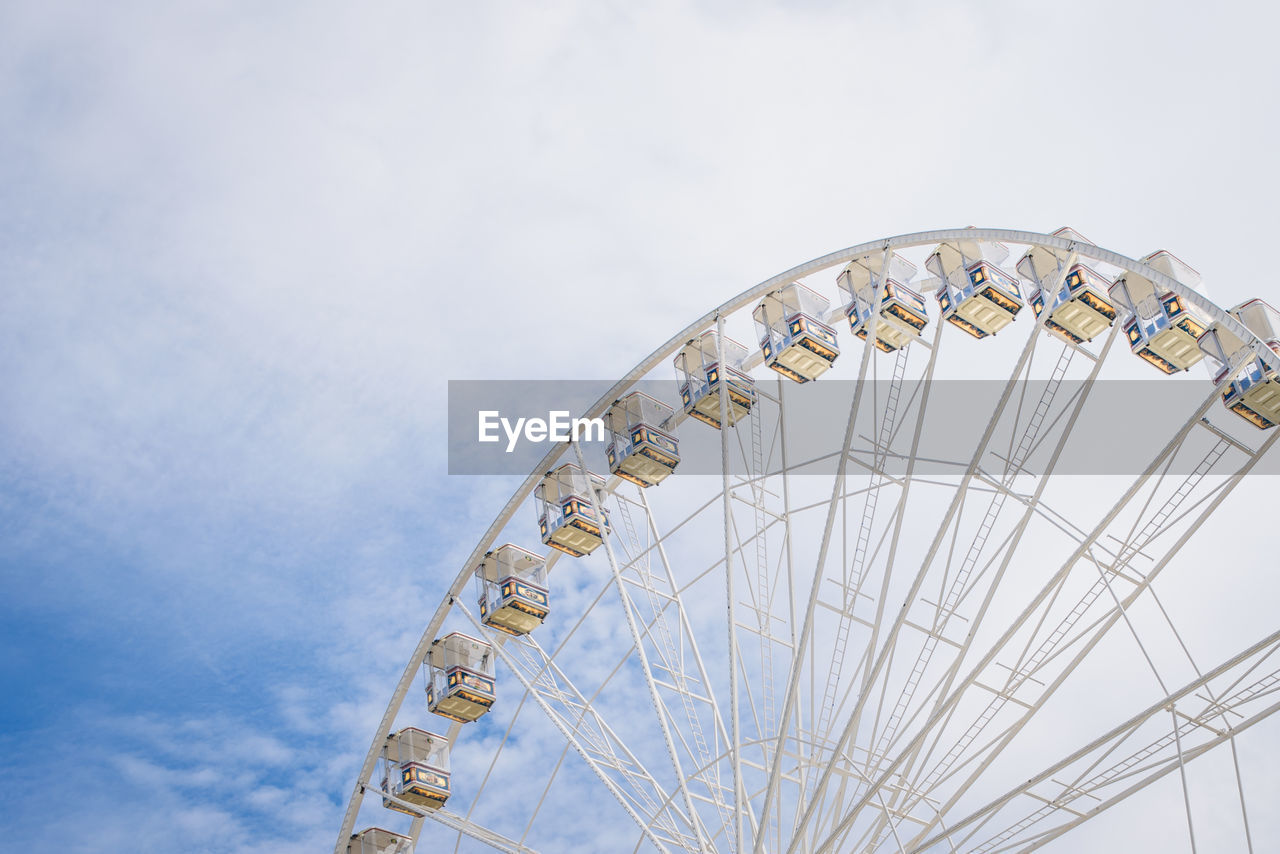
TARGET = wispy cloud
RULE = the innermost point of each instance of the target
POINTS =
(242, 249)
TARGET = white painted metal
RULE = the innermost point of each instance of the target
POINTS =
(903, 740)
(636, 639)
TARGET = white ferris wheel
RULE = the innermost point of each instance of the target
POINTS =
(905, 639)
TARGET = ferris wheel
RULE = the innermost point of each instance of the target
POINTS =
(848, 587)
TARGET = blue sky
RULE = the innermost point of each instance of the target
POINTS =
(243, 247)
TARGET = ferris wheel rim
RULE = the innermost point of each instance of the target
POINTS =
(521, 494)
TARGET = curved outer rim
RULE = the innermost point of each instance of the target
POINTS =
(597, 409)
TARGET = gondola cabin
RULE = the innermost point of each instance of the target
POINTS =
(513, 590)
(1041, 264)
(461, 684)
(640, 448)
(566, 519)
(900, 312)
(417, 770)
(974, 293)
(1254, 392)
(1162, 328)
(698, 374)
(793, 337)
(375, 840)
(1081, 309)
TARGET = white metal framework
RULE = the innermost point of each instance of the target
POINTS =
(863, 649)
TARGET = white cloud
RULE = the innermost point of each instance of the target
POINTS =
(243, 249)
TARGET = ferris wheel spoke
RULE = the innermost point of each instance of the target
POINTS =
(1030, 673)
(466, 827)
(894, 532)
(986, 752)
(966, 582)
(709, 766)
(861, 679)
(741, 806)
(941, 812)
(515, 718)
(673, 648)
(1119, 565)
(804, 646)
(1133, 754)
(579, 721)
(762, 591)
(855, 572)
(931, 781)
(1213, 698)
(638, 644)
(942, 712)
(493, 764)
(762, 605)
(957, 501)
(787, 578)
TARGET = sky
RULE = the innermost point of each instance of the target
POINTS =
(243, 247)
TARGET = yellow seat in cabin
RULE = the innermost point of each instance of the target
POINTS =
(869, 291)
(566, 519)
(794, 338)
(513, 590)
(416, 770)
(461, 682)
(698, 371)
(640, 449)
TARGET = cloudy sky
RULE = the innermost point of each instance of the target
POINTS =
(243, 246)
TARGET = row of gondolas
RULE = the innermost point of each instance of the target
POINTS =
(973, 292)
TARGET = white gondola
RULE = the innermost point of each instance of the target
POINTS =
(417, 769)
(375, 840)
(640, 450)
(974, 293)
(1161, 328)
(1254, 392)
(566, 519)
(461, 684)
(794, 340)
(513, 590)
(867, 289)
(1081, 308)
(698, 373)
